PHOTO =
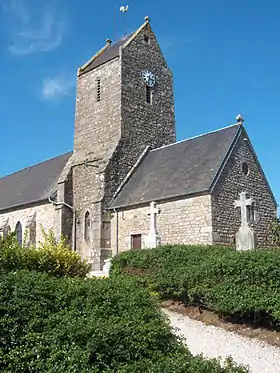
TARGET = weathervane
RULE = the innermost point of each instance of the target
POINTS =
(124, 9)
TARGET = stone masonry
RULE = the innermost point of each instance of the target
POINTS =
(182, 221)
(43, 214)
(97, 133)
(232, 181)
(110, 134)
(115, 128)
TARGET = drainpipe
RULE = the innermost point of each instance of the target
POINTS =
(117, 231)
(74, 218)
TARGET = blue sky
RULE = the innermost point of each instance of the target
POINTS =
(225, 57)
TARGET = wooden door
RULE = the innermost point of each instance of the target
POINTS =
(136, 241)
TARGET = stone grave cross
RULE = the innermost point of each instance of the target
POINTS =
(154, 210)
(152, 239)
(245, 237)
(243, 203)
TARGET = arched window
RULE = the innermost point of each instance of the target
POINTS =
(87, 226)
(18, 231)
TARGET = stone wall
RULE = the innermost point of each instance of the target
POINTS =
(185, 221)
(44, 215)
(227, 219)
(97, 133)
(142, 124)
(111, 134)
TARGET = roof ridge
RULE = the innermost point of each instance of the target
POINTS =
(34, 165)
(135, 33)
(102, 50)
(197, 136)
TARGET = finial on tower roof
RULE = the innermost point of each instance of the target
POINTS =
(239, 119)
(147, 19)
(109, 41)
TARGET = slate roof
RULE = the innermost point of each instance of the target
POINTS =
(109, 54)
(32, 184)
(180, 169)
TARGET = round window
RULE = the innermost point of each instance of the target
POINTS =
(245, 168)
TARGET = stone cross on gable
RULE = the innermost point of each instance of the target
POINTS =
(243, 203)
(154, 210)
(245, 237)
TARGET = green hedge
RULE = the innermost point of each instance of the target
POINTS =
(243, 284)
(50, 256)
(58, 325)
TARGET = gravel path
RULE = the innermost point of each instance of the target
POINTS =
(212, 341)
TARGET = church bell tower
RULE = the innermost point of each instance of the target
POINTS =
(124, 104)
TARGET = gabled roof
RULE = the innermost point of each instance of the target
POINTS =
(106, 54)
(32, 184)
(180, 169)
(109, 51)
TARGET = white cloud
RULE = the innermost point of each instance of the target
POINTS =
(57, 87)
(33, 28)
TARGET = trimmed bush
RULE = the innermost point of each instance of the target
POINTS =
(50, 324)
(50, 256)
(243, 284)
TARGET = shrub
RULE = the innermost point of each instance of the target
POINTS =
(243, 284)
(51, 256)
(50, 324)
(275, 232)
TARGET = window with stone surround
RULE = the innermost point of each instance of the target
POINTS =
(87, 226)
(245, 168)
(149, 95)
(252, 213)
(98, 89)
(18, 231)
(147, 38)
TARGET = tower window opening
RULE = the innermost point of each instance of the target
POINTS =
(146, 38)
(87, 226)
(149, 95)
(98, 90)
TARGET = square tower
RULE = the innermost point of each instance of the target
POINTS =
(124, 104)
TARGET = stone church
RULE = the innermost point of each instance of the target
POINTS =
(128, 184)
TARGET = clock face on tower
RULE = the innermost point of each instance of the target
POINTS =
(149, 78)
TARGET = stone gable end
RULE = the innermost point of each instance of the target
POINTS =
(226, 219)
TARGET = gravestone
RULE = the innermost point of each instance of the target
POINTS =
(245, 237)
(153, 239)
